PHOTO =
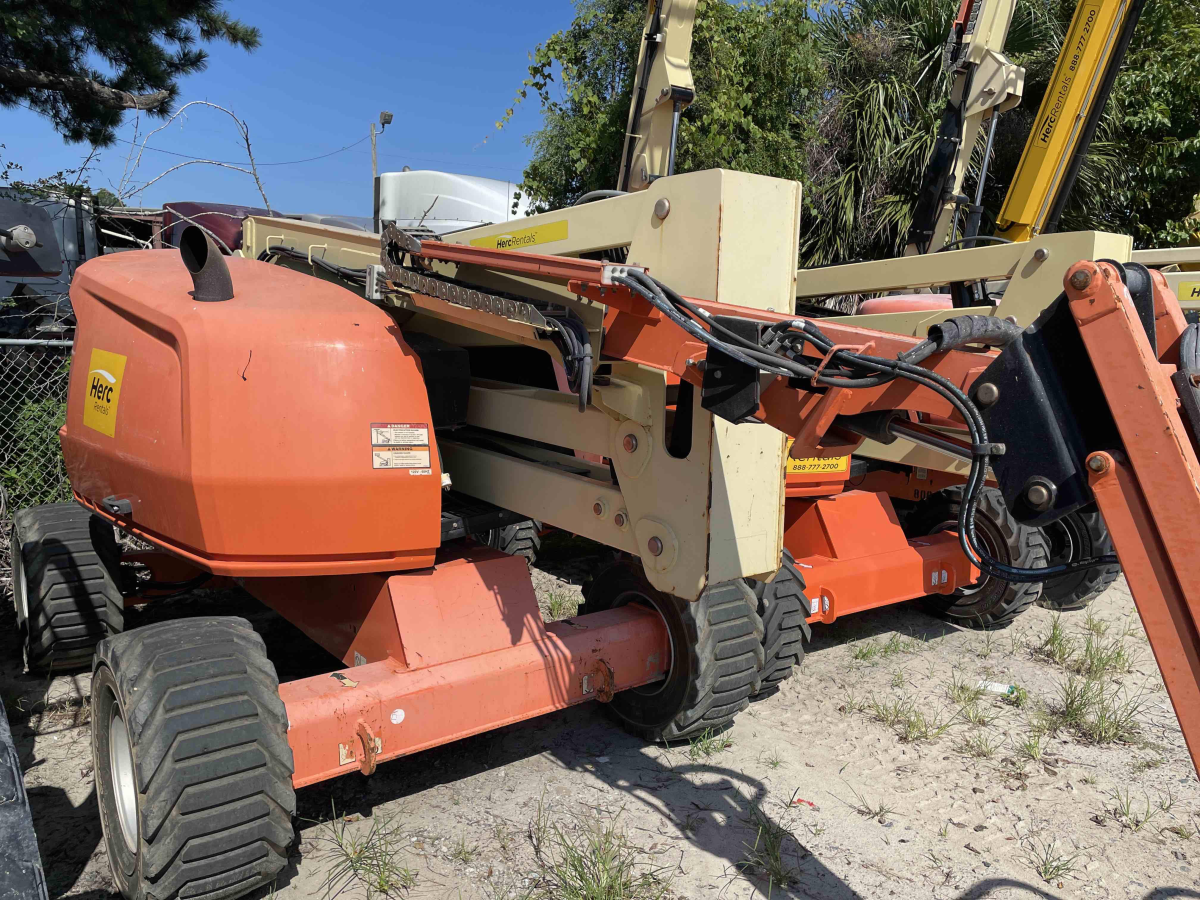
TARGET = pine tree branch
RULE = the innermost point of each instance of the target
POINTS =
(108, 97)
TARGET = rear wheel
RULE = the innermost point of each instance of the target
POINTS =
(716, 654)
(784, 609)
(192, 765)
(989, 602)
(65, 564)
(1078, 535)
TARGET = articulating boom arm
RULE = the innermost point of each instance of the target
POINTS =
(662, 90)
(1085, 406)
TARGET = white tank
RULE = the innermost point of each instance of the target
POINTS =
(443, 202)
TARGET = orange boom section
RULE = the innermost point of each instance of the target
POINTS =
(284, 431)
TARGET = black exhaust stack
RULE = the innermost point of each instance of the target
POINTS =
(210, 274)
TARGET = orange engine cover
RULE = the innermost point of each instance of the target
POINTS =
(284, 432)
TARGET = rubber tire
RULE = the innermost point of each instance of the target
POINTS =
(717, 654)
(65, 565)
(208, 740)
(784, 609)
(1089, 537)
(20, 863)
(519, 539)
(992, 603)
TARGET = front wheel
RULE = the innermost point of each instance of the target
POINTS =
(716, 654)
(192, 765)
(784, 609)
(519, 539)
(1078, 535)
(989, 602)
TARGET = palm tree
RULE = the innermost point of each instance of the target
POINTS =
(887, 90)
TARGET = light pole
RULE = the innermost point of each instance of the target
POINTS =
(385, 119)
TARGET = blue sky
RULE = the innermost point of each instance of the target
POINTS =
(447, 71)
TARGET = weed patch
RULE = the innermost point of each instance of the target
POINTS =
(1057, 646)
(593, 860)
(366, 860)
(980, 746)
(1128, 813)
(1047, 860)
(769, 856)
(708, 743)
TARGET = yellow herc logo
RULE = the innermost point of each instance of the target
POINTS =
(105, 372)
(1189, 290)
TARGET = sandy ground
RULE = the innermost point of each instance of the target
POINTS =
(863, 809)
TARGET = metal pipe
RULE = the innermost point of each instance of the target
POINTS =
(976, 213)
(674, 138)
(210, 275)
(590, 658)
(33, 342)
(925, 437)
(374, 157)
(126, 237)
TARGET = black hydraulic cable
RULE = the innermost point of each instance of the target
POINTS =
(592, 196)
(953, 333)
(576, 347)
(649, 37)
(292, 253)
(657, 300)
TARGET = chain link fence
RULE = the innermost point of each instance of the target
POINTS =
(33, 405)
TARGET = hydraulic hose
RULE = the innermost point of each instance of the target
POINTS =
(779, 352)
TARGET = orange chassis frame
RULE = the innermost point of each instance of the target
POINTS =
(438, 654)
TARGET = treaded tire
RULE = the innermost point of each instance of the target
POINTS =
(716, 654)
(519, 539)
(20, 863)
(65, 564)
(990, 602)
(784, 609)
(209, 770)
(1078, 535)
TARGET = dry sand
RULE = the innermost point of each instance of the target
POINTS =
(868, 813)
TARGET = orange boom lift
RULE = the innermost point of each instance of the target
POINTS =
(311, 470)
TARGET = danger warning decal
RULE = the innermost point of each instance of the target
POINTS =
(105, 372)
(401, 445)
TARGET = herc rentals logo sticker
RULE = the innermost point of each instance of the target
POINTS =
(1091, 12)
(103, 391)
(525, 237)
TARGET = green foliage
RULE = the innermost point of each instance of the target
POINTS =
(846, 98)
(578, 147)
(757, 76)
(106, 199)
(32, 409)
(48, 52)
(63, 184)
(1157, 128)
(755, 70)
